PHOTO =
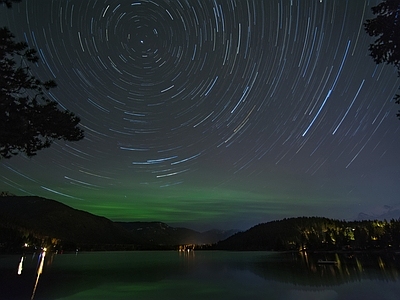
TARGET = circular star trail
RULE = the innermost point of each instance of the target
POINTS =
(216, 112)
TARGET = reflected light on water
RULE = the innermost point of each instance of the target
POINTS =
(20, 265)
(381, 263)
(203, 275)
(331, 269)
(346, 267)
(39, 271)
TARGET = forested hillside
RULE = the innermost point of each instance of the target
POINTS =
(38, 222)
(314, 233)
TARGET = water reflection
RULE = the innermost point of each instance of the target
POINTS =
(134, 274)
(306, 269)
(20, 265)
(39, 270)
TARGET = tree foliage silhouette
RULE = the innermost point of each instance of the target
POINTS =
(386, 27)
(28, 120)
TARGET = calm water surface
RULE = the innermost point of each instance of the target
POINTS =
(198, 275)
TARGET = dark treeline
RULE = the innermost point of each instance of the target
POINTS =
(29, 223)
(89, 232)
(315, 233)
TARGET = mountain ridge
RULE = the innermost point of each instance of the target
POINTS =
(52, 220)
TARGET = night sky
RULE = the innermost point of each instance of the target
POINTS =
(212, 114)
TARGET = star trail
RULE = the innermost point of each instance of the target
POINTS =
(206, 114)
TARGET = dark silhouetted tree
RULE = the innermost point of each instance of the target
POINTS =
(28, 120)
(386, 27)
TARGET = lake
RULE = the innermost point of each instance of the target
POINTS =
(199, 275)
